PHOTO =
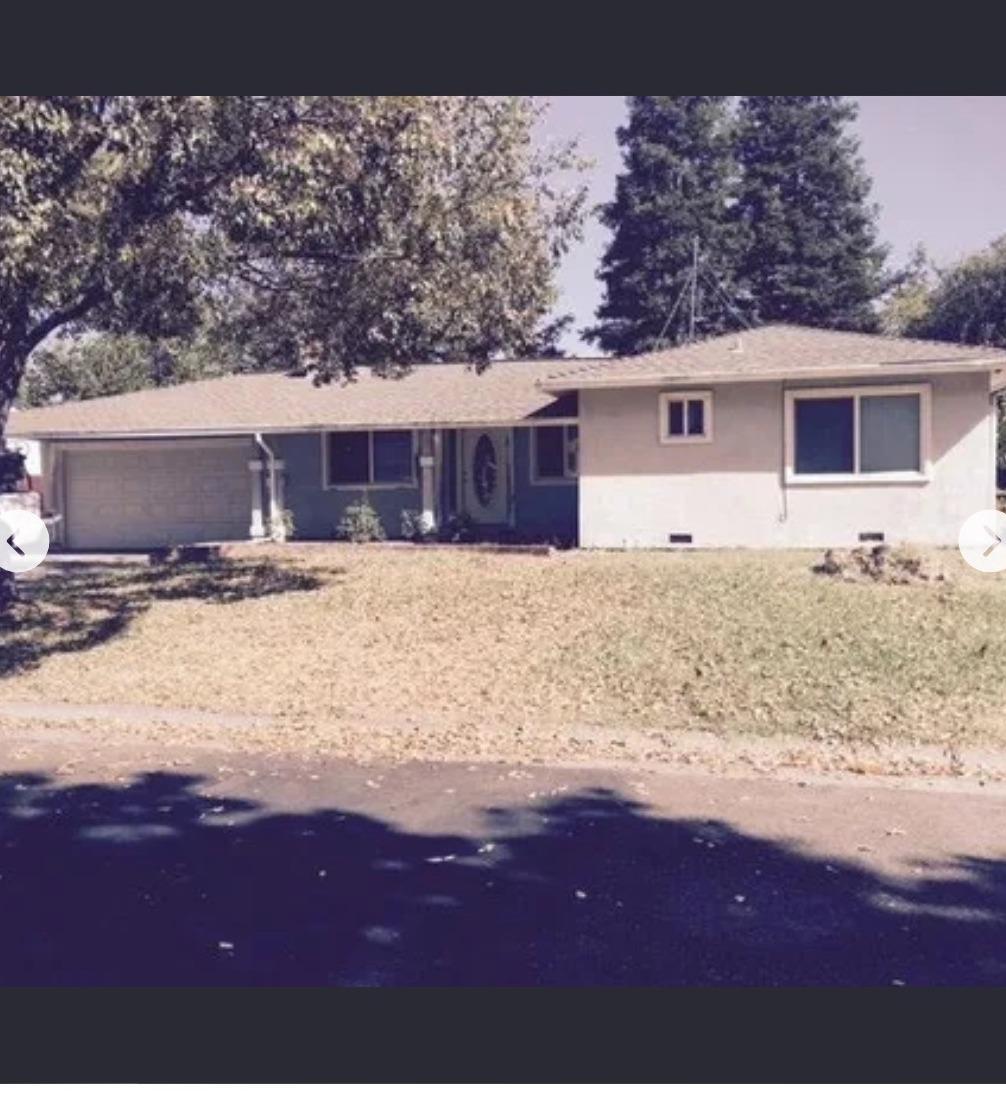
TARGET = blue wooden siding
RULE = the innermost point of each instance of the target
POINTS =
(316, 511)
(548, 511)
(541, 512)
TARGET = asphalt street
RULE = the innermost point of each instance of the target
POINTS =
(123, 866)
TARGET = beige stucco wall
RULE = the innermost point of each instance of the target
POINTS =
(635, 491)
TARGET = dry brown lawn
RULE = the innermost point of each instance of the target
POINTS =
(734, 642)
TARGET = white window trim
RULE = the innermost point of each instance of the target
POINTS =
(326, 482)
(567, 476)
(665, 398)
(858, 477)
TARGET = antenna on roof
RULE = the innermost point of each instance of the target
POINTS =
(691, 287)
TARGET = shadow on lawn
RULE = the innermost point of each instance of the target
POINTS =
(69, 610)
(151, 884)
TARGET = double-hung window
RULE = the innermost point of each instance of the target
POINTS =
(686, 417)
(370, 458)
(554, 453)
(858, 434)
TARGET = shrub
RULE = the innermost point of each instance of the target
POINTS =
(414, 527)
(283, 527)
(360, 523)
(11, 469)
(458, 528)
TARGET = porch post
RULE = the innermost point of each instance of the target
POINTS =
(438, 477)
(257, 529)
(426, 467)
(276, 500)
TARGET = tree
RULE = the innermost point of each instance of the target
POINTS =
(968, 304)
(357, 229)
(968, 301)
(810, 253)
(674, 190)
(437, 238)
(93, 365)
(908, 299)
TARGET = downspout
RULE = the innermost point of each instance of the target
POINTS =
(276, 530)
(783, 495)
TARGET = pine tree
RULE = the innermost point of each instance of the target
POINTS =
(673, 190)
(808, 235)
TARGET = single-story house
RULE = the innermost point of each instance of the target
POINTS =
(780, 436)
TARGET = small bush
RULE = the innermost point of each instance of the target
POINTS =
(414, 527)
(11, 469)
(360, 523)
(283, 527)
(458, 528)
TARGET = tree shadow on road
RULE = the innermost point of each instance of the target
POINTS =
(151, 883)
(67, 610)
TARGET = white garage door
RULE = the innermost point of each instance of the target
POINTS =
(156, 495)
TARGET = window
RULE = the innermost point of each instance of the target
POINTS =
(554, 452)
(825, 435)
(363, 458)
(686, 417)
(858, 434)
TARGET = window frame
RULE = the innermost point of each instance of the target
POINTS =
(567, 476)
(857, 393)
(326, 461)
(665, 398)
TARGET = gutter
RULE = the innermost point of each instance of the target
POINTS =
(655, 379)
(243, 431)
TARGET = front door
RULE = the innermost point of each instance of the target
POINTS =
(485, 475)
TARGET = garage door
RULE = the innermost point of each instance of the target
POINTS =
(156, 495)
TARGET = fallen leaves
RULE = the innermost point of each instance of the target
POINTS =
(451, 653)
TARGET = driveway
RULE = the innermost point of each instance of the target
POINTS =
(171, 866)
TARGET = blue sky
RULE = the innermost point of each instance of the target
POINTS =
(937, 165)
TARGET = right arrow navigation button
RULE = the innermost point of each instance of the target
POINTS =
(982, 541)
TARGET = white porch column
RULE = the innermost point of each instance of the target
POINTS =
(277, 500)
(438, 476)
(426, 468)
(257, 529)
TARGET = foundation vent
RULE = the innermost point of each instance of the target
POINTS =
(679, 537)
(871, 536)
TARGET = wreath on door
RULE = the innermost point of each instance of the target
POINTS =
(485, 470)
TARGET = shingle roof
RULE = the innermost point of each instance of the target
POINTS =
(507, 392)
(777, 351)
(435, 394)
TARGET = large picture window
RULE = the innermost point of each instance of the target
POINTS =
(366, 458)
(858, 434)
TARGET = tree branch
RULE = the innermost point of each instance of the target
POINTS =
(38, 333)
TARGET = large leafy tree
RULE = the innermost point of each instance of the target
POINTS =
(338, 231)
(907, 300)
(968, 301)
(809, 242)
(409, 229)
(672, 194)
(967, 304)
(93, 365)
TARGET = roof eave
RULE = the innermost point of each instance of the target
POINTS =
(662, 379)
(272, 430)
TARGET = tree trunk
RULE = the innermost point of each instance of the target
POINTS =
(12, 365)
(8, 593)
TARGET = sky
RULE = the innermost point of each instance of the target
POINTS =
(937, 165)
